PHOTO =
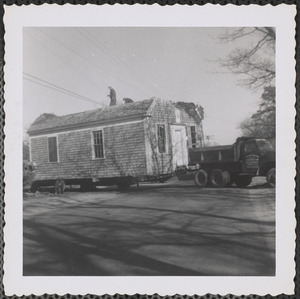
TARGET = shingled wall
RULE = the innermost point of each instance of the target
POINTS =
(124, 154)
(163, 112)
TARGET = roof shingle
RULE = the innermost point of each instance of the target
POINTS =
(50, 121)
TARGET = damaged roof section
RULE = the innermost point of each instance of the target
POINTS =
(195, 111)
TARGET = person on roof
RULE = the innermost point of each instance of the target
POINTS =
(112, 96)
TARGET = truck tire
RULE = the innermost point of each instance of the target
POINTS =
(242, 181)
(219, 178)
(231, 180)
(271, 178)
(201, 178)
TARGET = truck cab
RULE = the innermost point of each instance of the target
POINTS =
(257, 156)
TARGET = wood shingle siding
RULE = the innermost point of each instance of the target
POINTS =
(124, 154)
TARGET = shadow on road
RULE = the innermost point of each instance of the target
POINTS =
(97, 239)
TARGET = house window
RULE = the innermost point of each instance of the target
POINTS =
(98, 144)
(161, 134)
(193, 136)
(52, 149)
(177, 115)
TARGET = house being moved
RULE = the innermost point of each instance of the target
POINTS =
(119, 144)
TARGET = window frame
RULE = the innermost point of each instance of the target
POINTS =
(164, 138)
(193, 144)
(97, 130)
(48, 149)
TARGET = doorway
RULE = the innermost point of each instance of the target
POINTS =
(179, 146)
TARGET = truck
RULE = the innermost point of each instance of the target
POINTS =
(221, 166)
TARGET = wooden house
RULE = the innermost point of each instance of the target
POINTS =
(115, 145)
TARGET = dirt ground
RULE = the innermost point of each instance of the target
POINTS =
(157, 229)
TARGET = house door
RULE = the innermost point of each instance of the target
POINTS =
(179, 146)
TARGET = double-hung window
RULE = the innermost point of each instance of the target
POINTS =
(161, 136)
(52, 149)
(193, 136)
(98, 144)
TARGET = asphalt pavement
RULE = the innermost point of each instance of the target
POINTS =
(171, 229)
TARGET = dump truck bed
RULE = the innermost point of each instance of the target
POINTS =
(224, 153)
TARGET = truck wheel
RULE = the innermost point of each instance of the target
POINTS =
(219, 178)
(201, 178)
(242, 181)
(271, 178)
(231, 180)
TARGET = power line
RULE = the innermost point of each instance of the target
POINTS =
(58, 88)
(63, 60)
(64, 89)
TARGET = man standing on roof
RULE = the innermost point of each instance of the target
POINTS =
(113, 97)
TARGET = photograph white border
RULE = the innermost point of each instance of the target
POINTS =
(280, 16)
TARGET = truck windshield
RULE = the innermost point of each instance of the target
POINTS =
(264, 145)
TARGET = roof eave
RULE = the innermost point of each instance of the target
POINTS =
(86, 125)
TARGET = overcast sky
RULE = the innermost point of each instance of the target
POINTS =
(139, 63)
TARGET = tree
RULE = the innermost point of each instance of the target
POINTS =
(254, 63)
(262, 123)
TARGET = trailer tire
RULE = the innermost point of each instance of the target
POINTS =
(124, 183)
(242, 181)
(34, 187)
(123, 186)
(271, 178)
(59, 186)
(219, 178)
(86, 186)
(201, 178)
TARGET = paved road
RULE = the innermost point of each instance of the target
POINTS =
(167, 229)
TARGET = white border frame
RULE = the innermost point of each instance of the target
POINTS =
(280, 16)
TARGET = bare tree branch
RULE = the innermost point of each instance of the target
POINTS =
(256, 63)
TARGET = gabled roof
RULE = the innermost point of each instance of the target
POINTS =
(51, 122)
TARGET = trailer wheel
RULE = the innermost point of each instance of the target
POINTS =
(219, 178)
(123, 186)
(86, 186)
(242, 181)
(124, 183)
(59, 186)
(271, 178)
(201, 178)
(34, 187)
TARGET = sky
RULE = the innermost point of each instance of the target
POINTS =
(178, 64)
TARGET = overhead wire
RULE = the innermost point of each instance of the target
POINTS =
(63, 60)
(58, 88)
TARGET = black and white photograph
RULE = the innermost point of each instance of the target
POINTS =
(152, 151)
